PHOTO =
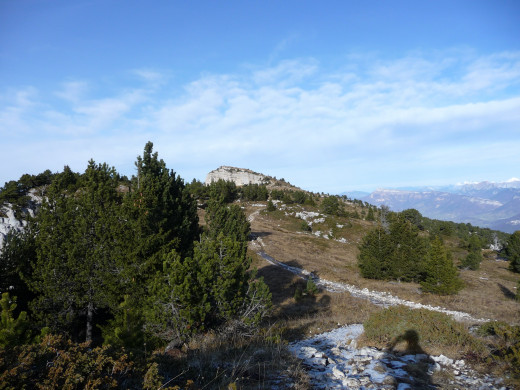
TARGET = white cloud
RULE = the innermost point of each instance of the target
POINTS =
(410, 116)
(73, 91)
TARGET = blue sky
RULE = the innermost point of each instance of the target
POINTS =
(330, 95)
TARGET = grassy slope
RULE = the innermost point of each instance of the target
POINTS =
(488, 292)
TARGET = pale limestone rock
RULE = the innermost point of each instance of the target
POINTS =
(337, 373)
(8, 223)
(239, 176)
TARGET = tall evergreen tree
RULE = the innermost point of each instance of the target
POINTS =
(441, 276)
(395, 253)
(375, 252)
(474, 257)
(512, 251)
(370, 215)
(76, 270)
(229, 220)
(161, 212)
(409, 250)
(16, 256)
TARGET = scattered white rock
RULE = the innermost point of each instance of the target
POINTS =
(443, 360)
(370, 368)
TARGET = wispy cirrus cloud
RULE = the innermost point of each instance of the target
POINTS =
(374, 116)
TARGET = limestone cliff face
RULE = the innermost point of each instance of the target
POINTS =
(239, 176)
(7, 223)
(10, 222)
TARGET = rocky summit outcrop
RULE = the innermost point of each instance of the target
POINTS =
(239, 176)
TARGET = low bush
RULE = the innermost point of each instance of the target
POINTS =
(433, 330)
(304, 226)
(504, 343)
(57, 363)
(472, 260)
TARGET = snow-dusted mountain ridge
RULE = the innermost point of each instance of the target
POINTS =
(485, 204)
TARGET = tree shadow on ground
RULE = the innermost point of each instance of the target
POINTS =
(300, 310)
(254, 235)
(416, 367)
(507, 292)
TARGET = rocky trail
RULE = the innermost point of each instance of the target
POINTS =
(333, 361)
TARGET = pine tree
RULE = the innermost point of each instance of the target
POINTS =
(16, 256)
(518, 291)
(229, 220)
(374, 257)
(408, 251)
(370, 215)
(77, 268)
(223, 191)
(472, 260)
(204, 291)
(161, 212)
(331, 206)
(512, 251)
(12, 331)
(126, 328)
(441, 275)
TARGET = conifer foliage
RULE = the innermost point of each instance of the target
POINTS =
(129, 258)
(206, 290)
(441, 276)
(77, 250)
(512, 251)
(400, 253)
(474, 257)
(162, 214)
(396, 253)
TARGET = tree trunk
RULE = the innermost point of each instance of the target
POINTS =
(90, 314)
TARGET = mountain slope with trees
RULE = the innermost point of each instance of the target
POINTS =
(153, 280)
(493, 205)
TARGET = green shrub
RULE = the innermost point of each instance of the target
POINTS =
(277, 194)
(304, 226)
(299, 197)
(504, 341)
(472, 260)
(432, 328)
(311, 288)
(270, 206)
(57, 363)
(13, 331)
(298, 294)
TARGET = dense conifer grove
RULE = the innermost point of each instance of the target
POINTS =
(122, 263)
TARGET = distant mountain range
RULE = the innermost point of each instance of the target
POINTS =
(484, 204)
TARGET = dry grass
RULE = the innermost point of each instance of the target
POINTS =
(311, 314)
(488, 293)
(222, 359)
